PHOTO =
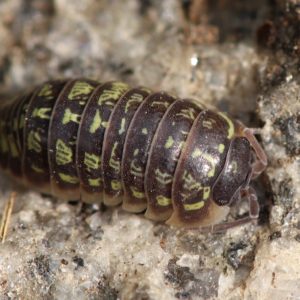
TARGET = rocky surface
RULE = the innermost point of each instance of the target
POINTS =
(242, 58)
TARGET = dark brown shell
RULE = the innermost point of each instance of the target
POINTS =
(107, 142)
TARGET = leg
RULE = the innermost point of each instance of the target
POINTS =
(252, 216)
(261, 162)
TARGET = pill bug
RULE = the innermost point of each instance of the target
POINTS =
(106, 142)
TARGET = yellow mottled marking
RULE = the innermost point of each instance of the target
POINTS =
(37, 169)
(145, 89)
(160, 103)
(64, 154)
(197, 153)
(181, 145)
(221, 148)
(184, 132)
(233, 167)
(96, 124)
(72, 142)
(163, 201)
(194, 206)
(94, 181)
(136, 193)
(188, 113)
(41, 113)
(109, 103)
(113, 162)
(117, 89)
(104, 124)
(189, 182)
(169, 143)
(80, 88)
(136, 152)
(135, 170)
(230, 125)
(70, 117)
(206, 192)
(209, 123)
(92, 161)
(46, 91)
(68, 178)
(145, 131)
(163, 177)
(34, 141)
(116, 185)
(122, 128)
(135, 98)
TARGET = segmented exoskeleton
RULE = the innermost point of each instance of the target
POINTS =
(81, 139)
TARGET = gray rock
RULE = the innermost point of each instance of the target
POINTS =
(193, 49)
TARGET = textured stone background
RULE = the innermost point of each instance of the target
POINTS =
(248, 65)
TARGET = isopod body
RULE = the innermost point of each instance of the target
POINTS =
(150, 151)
